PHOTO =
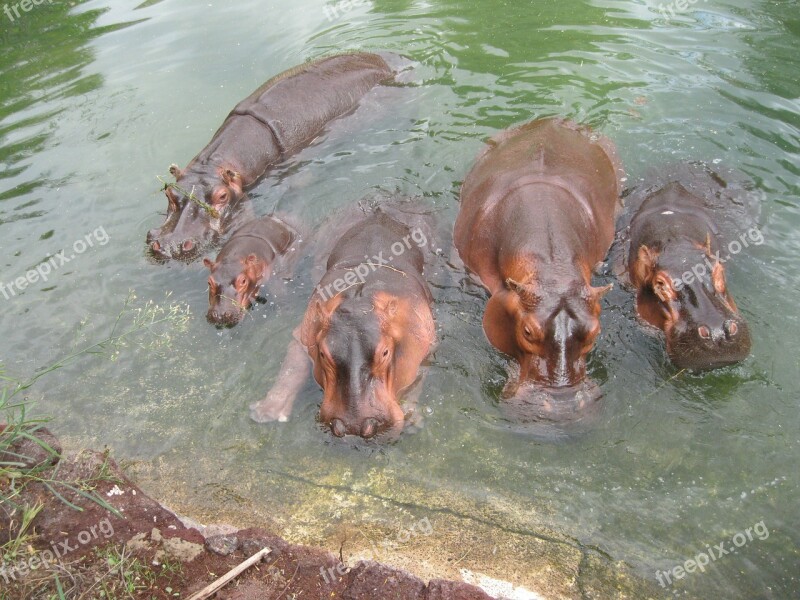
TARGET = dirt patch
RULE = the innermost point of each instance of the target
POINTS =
(146, 551)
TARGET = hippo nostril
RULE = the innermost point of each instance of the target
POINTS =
(704, 332)
(156, 247)
(369, 428)
(187, 245)
(731, 329)
(337, 428)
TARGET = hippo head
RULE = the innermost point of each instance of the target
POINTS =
(362, 360)
(684, 293)
(548, 328)
(232, 286)
(198, 209)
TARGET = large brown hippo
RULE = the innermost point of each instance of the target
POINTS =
(275, 121)
(675, 262)
(245, 263)
(367, 329)
(537, 216)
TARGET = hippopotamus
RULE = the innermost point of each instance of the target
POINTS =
(537, 216)
(367, 328)
(274, 122)
(244, 264)
(674, 263)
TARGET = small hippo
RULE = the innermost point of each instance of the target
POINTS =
(674, 264)
(274, 122)
(367, 329)
(537, 216)
(245, 262)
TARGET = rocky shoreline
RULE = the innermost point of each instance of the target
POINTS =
(160, 555)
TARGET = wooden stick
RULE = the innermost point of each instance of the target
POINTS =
(233, 573)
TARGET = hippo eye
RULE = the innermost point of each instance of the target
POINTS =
(241, 281)
(221, 197)
(385, 353)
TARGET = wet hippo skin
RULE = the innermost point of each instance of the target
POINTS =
(245, 263)
(674, 233)
(537, 215)
(367, 329)
(274, 122)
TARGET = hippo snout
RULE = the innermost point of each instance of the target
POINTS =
(166, 248)
(224, 317)
(367, 428)
(708, 346)
(726, 333)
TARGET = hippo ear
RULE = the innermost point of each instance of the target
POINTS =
(317, 318)
(209, 263)
(663, 288)
(718, 278)
(385, 304)
(254, 267)
(600, 292)
(175, 171)
(707, 247)
(644, 268)
(232, 179)
(499, 324)
(526, 292)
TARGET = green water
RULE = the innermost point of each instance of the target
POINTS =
(98, 98)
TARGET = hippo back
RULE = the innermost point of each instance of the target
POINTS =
(548, 151)
(297, 104)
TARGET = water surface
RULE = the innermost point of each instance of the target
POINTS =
(98, 98)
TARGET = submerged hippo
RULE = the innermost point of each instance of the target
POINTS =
(367, 329)
(275, 121)
(674, 263)
(537, 215)
(244, 264)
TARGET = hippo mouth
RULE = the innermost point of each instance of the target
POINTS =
(535, 404)
(383, 434)
(707, 360)
(188, 250)
(228, 318)
(695, 354)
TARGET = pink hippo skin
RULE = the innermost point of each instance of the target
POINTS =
(537, 216)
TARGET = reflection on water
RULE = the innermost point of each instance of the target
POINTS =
(97, 99)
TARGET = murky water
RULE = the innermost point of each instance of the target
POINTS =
(97, 99)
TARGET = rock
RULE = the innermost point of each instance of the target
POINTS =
(373, 580)
(223, 545)
(440, 589)
(28, 453)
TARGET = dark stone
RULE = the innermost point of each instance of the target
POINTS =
(370, 580)
(27, 452)
(223, 545)
(439, 589)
